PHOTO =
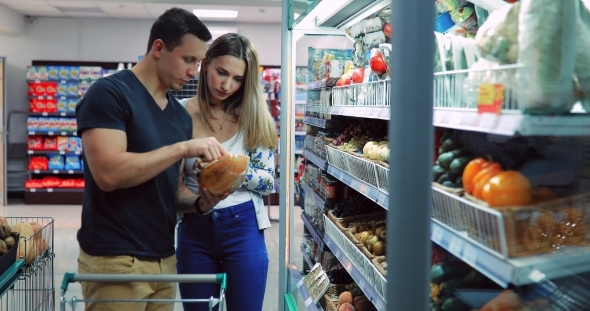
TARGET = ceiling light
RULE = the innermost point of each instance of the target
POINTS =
(216, 13)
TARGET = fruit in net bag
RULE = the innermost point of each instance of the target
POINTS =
(226, 174)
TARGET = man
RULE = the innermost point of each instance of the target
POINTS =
(135, 135)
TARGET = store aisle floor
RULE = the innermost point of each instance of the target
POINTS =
(67, 223)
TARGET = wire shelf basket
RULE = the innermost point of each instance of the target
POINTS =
(362, 94)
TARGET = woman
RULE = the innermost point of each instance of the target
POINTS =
(226, 234)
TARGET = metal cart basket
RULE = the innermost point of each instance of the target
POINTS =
(180, 278)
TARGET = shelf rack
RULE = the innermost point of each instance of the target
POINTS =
(303, 290)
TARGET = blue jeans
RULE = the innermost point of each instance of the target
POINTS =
(227, 240)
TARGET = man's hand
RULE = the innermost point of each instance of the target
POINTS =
(204, 149)
(208, 200)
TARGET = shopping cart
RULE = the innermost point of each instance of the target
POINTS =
(180, 278)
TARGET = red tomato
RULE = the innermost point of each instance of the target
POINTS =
(378, 63)
(387, 30)
(344, 80)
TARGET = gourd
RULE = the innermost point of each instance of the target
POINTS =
(226, 174)
(367, 148)
(26, 246)
(384, 153)
(482, 178)
(36, 228)
(509, 188)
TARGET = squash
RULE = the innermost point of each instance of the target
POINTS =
(384, 153)
(26, 246)
(374, 152)
(226, 174)
(509, 188)
(36, 230)
(368, 147)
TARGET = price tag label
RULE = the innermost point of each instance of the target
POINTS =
(469, 255)
(299, 283)
(31, 133)
(436, 235)
(455, 246)
(362, 285)
(33, 190)
(338, 253)
(30, 151)
(77, 152)
(438, 117)
(63, 114)
(62, 152)
(50, 97)
(50, 190)
(70, 171)
(44, 114)
(37, 171)
(49, 133)
(55, 171)
(456, 119)
(488, 121)
(308, 302)
(64, 133)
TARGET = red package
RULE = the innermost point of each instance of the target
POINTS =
(38, 163)
(50, 143)
(51, 182)
(39, 89)
(33, 183)
(68, 183)
(35, 143)
(51, 105)
(80, 183)
(51, 88)
(31, 89)
(39, 105)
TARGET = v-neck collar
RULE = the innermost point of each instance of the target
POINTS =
(150, 94)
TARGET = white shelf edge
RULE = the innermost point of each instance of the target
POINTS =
(317, 236)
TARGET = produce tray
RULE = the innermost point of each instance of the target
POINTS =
(378, 262)
(356, 166)
(457, 191)
(328, 303)
(38, 246)
(357, 258)
(520, 231)
(9, 258)
(362, 94)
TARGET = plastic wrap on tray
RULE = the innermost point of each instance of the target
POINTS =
(547, 34)
(497, 38)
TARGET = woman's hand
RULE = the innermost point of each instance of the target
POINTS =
(208, 200)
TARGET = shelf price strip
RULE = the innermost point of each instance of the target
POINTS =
(491, 266)
(315, 159)
(377, 112)
(306, 256)
(319, 202)
(364, 188)
(303, 290)
(316, 236)
(356, 275)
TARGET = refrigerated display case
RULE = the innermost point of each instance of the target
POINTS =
(486, 138)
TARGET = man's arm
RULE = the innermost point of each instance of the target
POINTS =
(114, 168)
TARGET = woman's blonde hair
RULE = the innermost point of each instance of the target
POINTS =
(254, 119)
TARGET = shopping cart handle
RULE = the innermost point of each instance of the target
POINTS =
(219, 278)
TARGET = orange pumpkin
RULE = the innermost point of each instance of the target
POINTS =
(483, 176)
(509, 188)
(225, 174)
(472, 168)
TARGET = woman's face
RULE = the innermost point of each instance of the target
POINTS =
(225, 76)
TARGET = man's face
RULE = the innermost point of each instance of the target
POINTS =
(177, 67)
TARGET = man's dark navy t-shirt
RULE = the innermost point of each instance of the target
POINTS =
(137, 221)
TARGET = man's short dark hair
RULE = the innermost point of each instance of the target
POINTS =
(171, 26)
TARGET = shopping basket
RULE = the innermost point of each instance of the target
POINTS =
(219, 278)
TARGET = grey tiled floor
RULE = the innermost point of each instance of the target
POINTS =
(67, 222)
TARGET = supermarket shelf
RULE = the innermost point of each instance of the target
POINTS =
(512, 123)
(367, 190)
(56, 172)
(306, 257)
(52, 114)
(371, 112)
(54, 196)
(300, 102)
(315, 159)
(54, 133)
(11, 275)
(357, 276)
(298, 151)
(300, 133)
(303, 290)
(319, 202)
(518, 271)
(317, 236)
(53, 152)
(55, 190)
(61, 96)
(315, 121)
(317, 84)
